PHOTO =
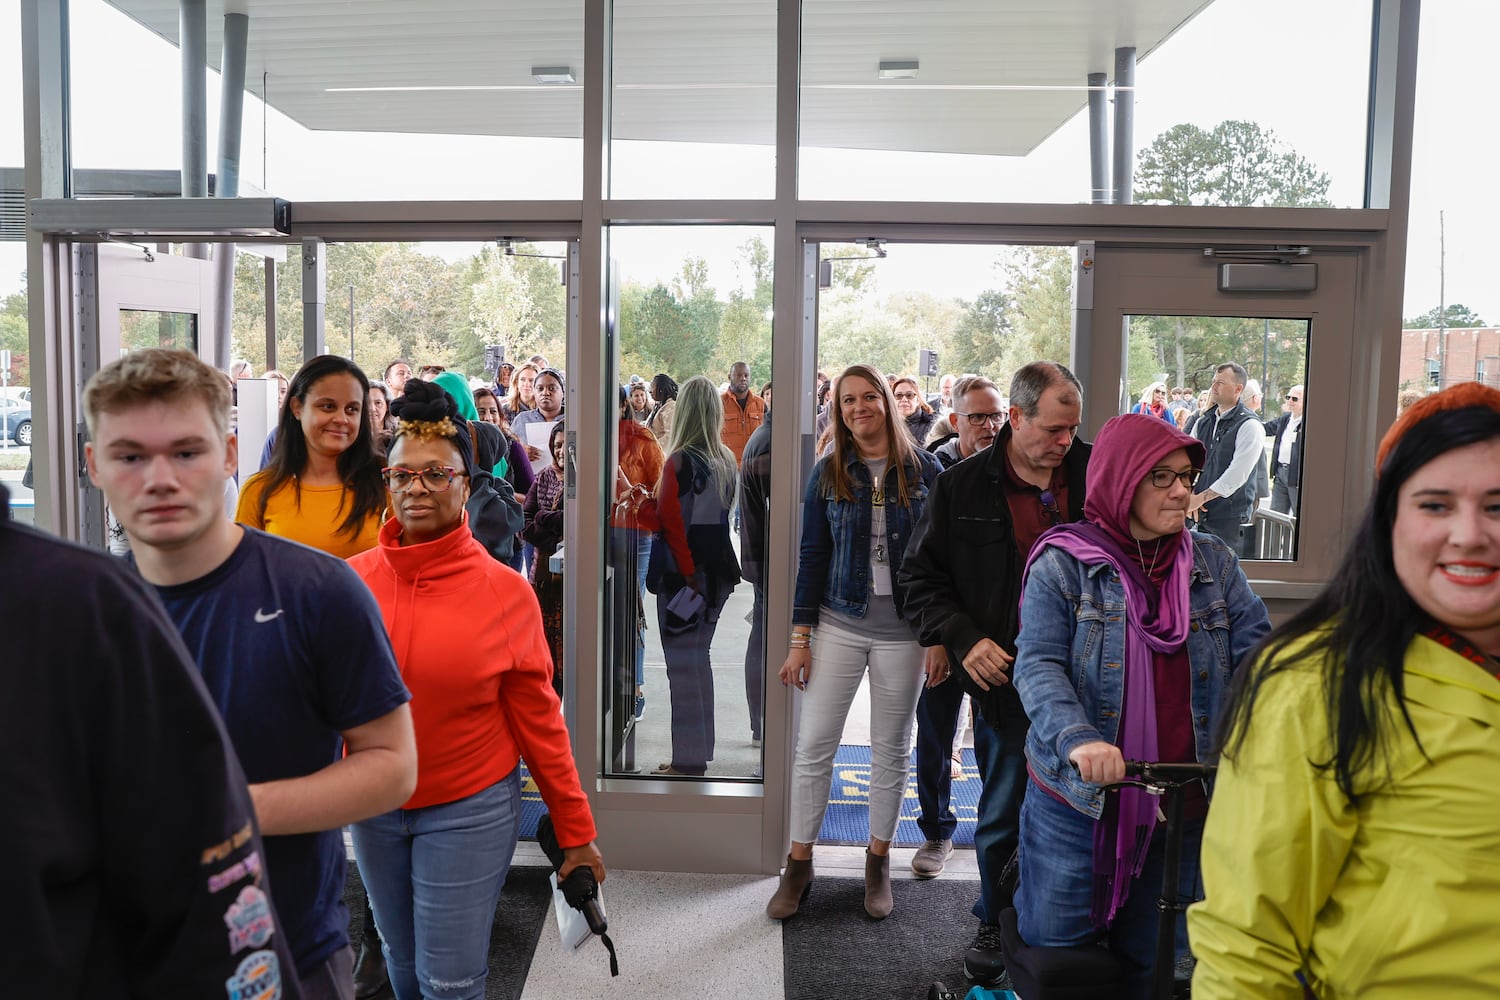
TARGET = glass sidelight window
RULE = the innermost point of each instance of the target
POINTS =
(1199, 372)
(685, 673)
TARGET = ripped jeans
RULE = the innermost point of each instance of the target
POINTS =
(434, 878)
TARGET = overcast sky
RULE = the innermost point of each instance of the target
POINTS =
(1298, 67)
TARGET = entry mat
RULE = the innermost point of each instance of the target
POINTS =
(525, 905)
(847, 820)
(833, 949)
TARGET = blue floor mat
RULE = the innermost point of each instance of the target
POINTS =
(847, 820)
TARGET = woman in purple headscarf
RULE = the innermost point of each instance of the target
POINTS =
(1131, 627)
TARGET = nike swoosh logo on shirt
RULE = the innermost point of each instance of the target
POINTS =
(261, 617)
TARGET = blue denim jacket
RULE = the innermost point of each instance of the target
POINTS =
(834, 568)
(1072, 647)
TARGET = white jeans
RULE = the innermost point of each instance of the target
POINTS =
(839, 659)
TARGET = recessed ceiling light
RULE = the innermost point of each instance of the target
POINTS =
(550, 75)
(898, 69)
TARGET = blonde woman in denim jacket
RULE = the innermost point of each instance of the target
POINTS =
(863, 500)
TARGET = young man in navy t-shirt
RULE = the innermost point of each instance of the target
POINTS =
(289, 641)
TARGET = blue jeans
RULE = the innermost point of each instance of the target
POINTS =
(434, 876)
(1056, 890)
(1001, 758)
(937, 722)
(642, 563)
(627, 544)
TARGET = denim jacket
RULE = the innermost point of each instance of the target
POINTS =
(1071, 651)
(834, 567)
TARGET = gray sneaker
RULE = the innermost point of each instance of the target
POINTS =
(931, 858)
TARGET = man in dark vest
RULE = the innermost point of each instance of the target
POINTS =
(1235, 440)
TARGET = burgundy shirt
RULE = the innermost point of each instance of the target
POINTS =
(1027, 514)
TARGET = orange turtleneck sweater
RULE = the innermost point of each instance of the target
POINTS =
(468, 637)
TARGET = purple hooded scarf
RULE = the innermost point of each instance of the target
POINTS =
(1126, 449)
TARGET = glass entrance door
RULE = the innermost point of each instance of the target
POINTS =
(1199, 334)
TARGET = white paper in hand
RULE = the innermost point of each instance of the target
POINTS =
(537, 436)
(572, 926)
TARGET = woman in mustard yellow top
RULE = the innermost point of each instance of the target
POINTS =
(1354, 836)
(322, 487)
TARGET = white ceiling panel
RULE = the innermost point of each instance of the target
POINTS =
(996, 77)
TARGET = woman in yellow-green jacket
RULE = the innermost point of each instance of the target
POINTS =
(1354, 838)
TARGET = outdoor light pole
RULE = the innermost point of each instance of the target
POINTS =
(351, 322)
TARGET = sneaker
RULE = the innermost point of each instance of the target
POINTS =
(931, 858)
(755, 742)
(984, 962)
(640, 703)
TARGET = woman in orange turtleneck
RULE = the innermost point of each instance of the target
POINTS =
(467, 634)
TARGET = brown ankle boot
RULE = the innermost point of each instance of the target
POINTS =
(796, 882)
(877, 885)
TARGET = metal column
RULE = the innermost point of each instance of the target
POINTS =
(193, 47)
(1099, 138)
(1124, 125)
(231, 119)
(270, 313)
(48, 174)
(314, 299)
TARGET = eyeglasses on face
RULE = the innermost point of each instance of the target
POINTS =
(980, 419)
(1162, 478)
(906, 395)
(1293, 399)
(437, 478)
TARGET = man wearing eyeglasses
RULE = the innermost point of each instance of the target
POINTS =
(978, 414)
(1235, 439)
(962, 574)
(1286, 453)
(289, 641)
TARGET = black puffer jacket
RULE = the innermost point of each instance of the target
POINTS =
(920, 425)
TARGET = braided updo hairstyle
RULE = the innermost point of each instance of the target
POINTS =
(427, 411)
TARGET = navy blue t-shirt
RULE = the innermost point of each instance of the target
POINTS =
(293, 651)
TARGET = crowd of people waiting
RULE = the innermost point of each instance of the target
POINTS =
(963, 549)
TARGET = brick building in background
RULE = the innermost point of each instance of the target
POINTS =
(1432, 359)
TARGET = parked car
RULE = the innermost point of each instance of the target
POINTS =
(17, 421)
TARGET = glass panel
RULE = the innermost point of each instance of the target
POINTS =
(1173, 370)
(988, 102)
(15, 346)
(686, 688)
(143, 328)
(368, 100)
(1452, 304)
(694, 100)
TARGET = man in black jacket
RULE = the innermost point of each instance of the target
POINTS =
(962, 574)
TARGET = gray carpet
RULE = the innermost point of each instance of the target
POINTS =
(525, 906)
(832, 948)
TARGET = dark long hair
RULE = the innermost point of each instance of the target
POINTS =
(359, 465)
(1363, 620)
